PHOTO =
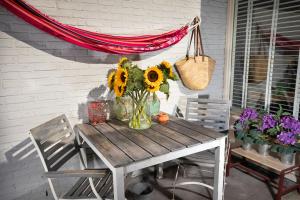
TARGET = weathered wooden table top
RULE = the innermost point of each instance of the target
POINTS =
(121, 145)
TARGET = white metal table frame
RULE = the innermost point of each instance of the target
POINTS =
(119, 173)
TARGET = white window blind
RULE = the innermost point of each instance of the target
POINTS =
(266, 62)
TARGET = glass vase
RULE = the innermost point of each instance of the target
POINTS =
(141, 116)
(122, 108)
(154, 105)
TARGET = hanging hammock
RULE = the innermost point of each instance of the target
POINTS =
(92, 40)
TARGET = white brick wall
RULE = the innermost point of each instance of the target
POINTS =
(42, 77)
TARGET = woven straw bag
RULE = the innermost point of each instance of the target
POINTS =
(195, 71)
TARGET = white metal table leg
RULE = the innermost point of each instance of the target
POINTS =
(118, 183)
(219, 170)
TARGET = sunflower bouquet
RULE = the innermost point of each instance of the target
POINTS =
(130, 80)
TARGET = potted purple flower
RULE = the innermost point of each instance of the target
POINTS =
(262, 136)
(287, 140)
(286, 136)
(245, 127)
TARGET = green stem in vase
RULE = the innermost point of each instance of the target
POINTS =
(139, 117)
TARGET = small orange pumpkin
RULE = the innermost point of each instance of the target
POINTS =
(163, 118)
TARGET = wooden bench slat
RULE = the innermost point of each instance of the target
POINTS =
(268, 162)
(74, 187)
(55, 165)
(104, 180)
(108, 185)
(81, 188)
(127, 146)
(140, 139)
(50, 127)
(115, 156)
(56, 137)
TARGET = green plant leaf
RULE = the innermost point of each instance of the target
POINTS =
(286, 113)
(165, 88)
(279, 112)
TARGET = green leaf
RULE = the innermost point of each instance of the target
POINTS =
(248, 140)
(274, 148)
(272, 131)
(165, 88)
(286, 113)
(238, 126)
(279, 112)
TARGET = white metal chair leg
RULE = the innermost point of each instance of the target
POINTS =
(94, 189)
(195, 183)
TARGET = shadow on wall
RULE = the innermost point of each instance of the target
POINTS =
(22, 31)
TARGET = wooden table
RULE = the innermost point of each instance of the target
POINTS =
(125, 150)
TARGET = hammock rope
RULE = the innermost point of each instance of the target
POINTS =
(113, 44)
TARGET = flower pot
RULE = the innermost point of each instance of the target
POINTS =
(247, 146)
(263, 149)
(287, 158)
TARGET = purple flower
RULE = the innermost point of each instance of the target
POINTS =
(287, 138)
(289, 122)
(248, 114)
(268, 122)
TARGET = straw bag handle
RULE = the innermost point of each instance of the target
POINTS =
(196, 36)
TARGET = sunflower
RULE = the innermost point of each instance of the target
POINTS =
(122, 61)
(166, 65)
(119, 90)
(121, 76)
(153, 76)
(152, 88)
(111, 79)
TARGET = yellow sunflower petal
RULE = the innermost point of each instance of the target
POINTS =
(171, 73)
(122, 60)
(119, 90)
(121, 76)
(166, 64)
(152, 88)
(153, 76)
(111, 79)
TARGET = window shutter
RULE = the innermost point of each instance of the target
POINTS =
(241, 16)
(286, 57)
(266, 55)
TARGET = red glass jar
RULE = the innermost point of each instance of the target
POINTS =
(98, 111)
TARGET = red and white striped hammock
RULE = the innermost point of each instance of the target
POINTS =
(92, 40)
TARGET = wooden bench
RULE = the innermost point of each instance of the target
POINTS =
(267, 162)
